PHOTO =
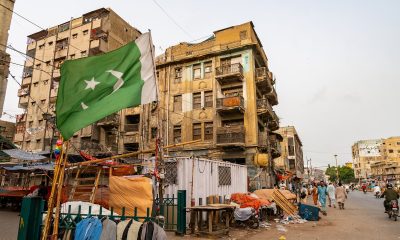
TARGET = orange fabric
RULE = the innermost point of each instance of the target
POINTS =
(245, 200)
(130, 193)
(267, 194)
(123, 170)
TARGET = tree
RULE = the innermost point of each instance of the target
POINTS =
(346, 174)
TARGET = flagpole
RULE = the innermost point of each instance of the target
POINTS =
(159, 141)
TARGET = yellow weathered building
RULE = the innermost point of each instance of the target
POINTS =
(221, 91)
(6, 9)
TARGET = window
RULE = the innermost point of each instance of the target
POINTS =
(40, 122)
(171, 172)
(178, 103)
(197, 100)
(153, 132)
(75, 35)
(30, 124)
(224, 175)
(33, 103)
(208, 99)
(177, 134)
(85, 32)
(72, 56)
(196, 131)
(35, 84)
(208, 131)
(48, 63)
(50, 43)
(84, 53)
(38, 65)
(43, 101)
(207, 69)
(45, 82)
(178, 75)
(398, 143)
(390, 150)
(41, 46)
(291, 146)
(197, 71)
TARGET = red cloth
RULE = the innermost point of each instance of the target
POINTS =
(245, 200)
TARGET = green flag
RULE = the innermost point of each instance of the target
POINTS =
(94, 87)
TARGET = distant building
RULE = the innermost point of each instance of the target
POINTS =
(7, 130)
(349, 164)
(292, 152)
(388, 168)
(366, 152)
(5, 22)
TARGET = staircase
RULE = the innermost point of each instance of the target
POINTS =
(84, 187)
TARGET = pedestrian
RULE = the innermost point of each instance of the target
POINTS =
(331, 195)
(303, 194)
(314, 193)
(322, 197)
(341, 195)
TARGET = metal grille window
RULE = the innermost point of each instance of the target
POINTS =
(196, 131)
(208, 130)
(178, 75)
(207, 69)
(178, 103)
(171, 173)
(177, 133)
(208, 99)
(196, 100)
(224, 175)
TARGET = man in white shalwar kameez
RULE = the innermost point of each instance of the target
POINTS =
(331, 195)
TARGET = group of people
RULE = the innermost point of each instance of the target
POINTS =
(321, 192)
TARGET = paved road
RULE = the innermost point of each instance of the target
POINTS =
(363, 219)
(8, 224)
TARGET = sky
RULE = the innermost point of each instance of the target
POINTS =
(337, 63)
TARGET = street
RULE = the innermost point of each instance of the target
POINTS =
(363, 218)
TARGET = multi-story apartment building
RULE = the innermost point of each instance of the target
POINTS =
(365, 152)
(93, 33)
(6, 9)
(7, 130)
(390, 149)
(220, 91)
(291, 158)
(388, 168)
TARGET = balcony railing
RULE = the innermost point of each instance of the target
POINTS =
(23, 92)
(131, 127)
(229, 73)
(230, 104)
(273, 96)
(263, 106)
(264, 80)
(231, 136)
(111, 120)
(275, 146)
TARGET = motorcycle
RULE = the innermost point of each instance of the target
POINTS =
(393, 210)
(246, 217)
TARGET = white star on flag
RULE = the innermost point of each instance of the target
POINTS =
(91, 84)
(84, 106)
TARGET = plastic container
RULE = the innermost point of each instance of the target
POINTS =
(308, 212)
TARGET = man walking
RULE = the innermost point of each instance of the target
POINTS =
(341, 195)
(331, 195)
(322, 197)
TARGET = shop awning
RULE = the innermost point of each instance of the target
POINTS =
(22, 155)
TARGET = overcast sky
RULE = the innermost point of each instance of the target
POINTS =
(337, 63)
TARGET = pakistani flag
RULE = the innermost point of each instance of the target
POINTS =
(94, 87)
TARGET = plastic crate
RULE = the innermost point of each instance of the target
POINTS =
(308, 212)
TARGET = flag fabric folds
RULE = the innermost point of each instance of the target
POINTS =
(94, 87)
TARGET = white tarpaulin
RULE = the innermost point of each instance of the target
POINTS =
(22, 155)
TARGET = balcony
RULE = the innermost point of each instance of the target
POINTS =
(227, 74)
(273, 122)
(231, 137)
(275, 146)
(21, 118)
(131, 138)
(61, 53)
(131, 127)
(273, 97)
(19, 137)
(23, 92)
(53, 95)
(23, 102)
(26, 81)
(262, 140)
(264, 80)
(230, 105)
(98, 46)
(263, 107)
(110, 121)
(56, 74)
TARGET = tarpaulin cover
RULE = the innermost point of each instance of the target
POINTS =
(246, 200)
(267, 194)
(131, 192)
(33, 167)
(22, 155)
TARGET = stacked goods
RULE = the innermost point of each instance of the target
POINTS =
(284, 203)
(245, 200)
(267, 194)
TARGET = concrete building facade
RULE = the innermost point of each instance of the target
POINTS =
(93, 33)
(291, 158)
(366, 152)
(221, 91)
(7, 130)
(6, 9)
(388, 168)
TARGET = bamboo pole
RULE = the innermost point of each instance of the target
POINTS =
(50, 204)
(181, 144)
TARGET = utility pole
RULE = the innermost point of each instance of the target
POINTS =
(337, 170)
